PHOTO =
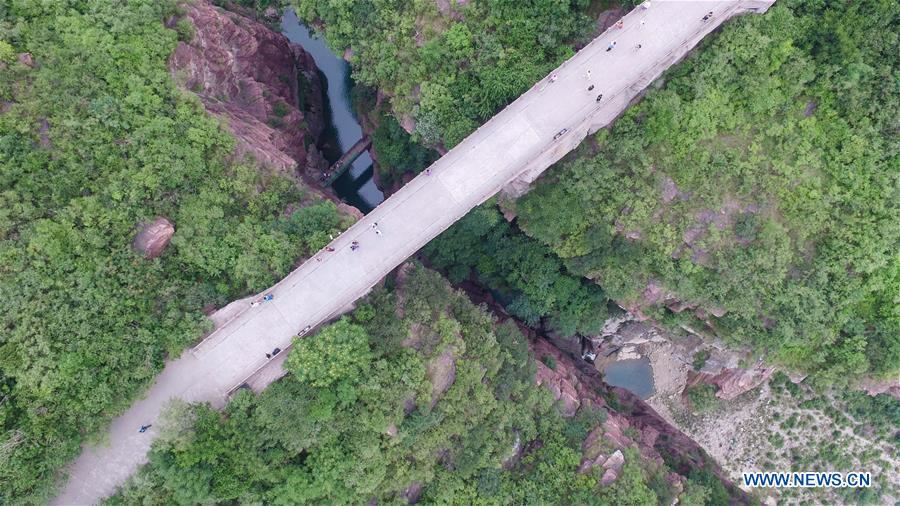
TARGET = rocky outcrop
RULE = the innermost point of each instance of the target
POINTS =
(265, 88)
(563, 379)
(441, 371)
(731, 383)
(153, 237)
(576, 383)
(876, 387)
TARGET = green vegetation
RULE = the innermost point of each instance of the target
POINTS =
(700, 359)
(94, 139)
(702, 397)
(532, 280)
(841, 430)
(450, 70)
(367, 424)
(549, 361)
(761, 180)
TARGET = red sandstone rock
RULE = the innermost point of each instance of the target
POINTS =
(875, 387)
(609, 477)
(154, 237)
(247, 75)
(615, 461)
(732, 382)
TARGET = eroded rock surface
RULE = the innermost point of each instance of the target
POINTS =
(576, 384)
(264, 87)
(153, 237)
(733, 382)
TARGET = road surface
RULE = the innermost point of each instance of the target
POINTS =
(515, 145)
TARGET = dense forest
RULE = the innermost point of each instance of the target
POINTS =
(529, 279)
(760, 182)
(763, 181)
(94, 139)
(363, 416)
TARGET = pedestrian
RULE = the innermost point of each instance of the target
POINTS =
(591, 87)
(708, 15)
(553, 78)
(144, 428)
(427, 172)
(637, 47)
(587, 75)
(375, 225)
(318, 259)
(354, 245)
(611, 46)
(268, 355)
(377, 232)
(643, 23)
(599, 97)
(620, 24)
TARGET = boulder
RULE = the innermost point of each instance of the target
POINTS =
(26, 59)
(153, 237)
(609, 477)
(615, 461)
(413, 492)
(669, 190)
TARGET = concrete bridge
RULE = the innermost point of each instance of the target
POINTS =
(509, 151)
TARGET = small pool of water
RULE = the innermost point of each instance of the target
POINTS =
(356, 186)
(634, 375)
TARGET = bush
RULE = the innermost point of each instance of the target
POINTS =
(700, 359)
(702, 397)
(549, 361)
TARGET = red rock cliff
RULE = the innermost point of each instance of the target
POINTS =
(264, 87)
(575, 383)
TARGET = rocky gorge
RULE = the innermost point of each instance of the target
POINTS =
(264, 88)
(268, 93)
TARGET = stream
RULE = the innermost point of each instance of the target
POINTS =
(356, 186)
